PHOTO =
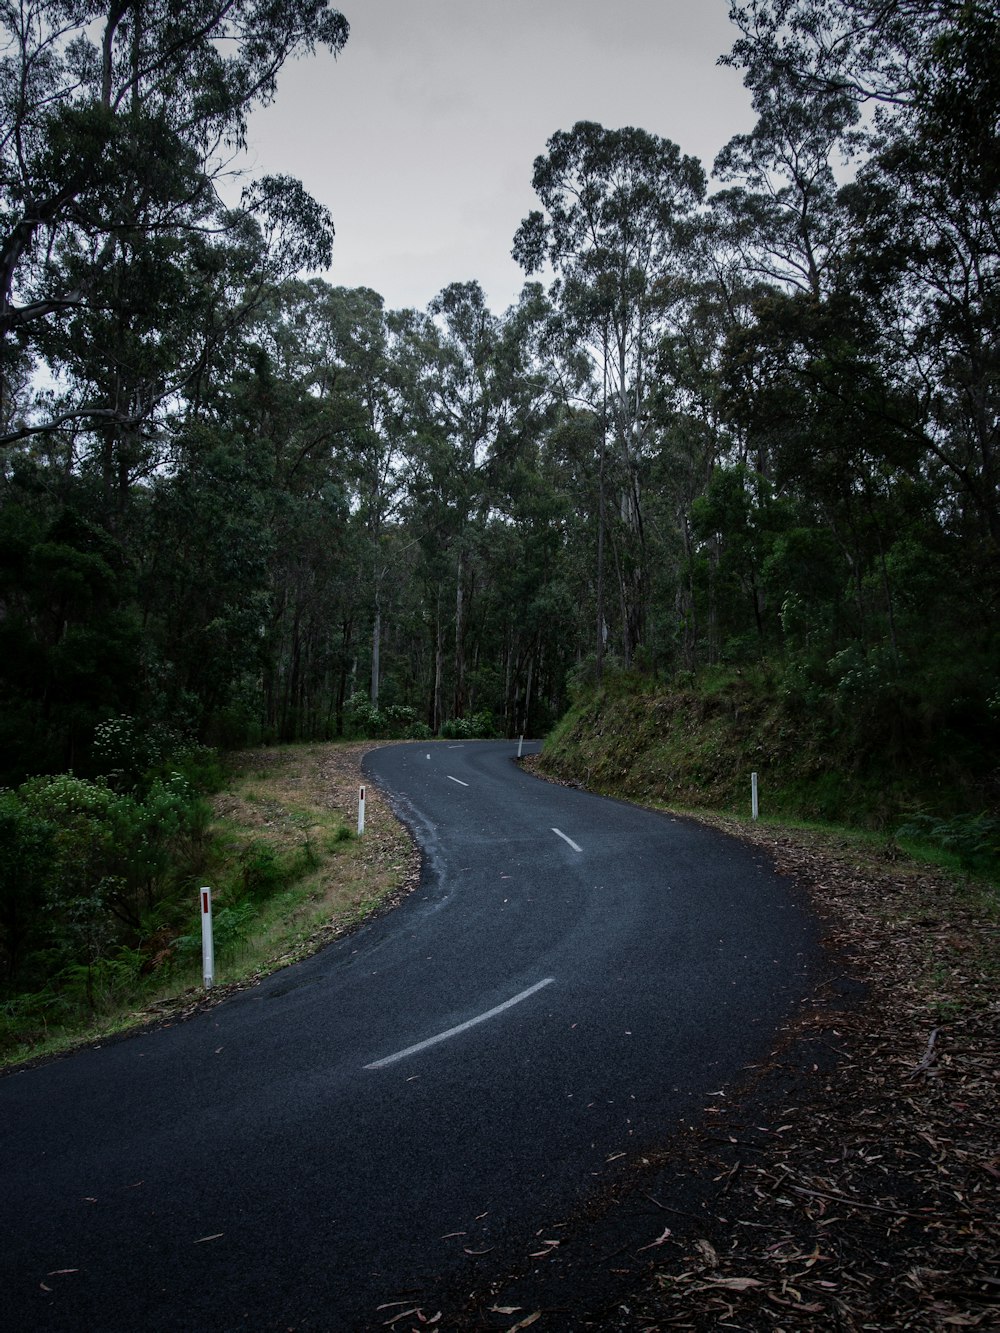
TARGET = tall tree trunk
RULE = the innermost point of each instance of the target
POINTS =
(509, 701)
(475, 668)
(631, 561)
(436, 718)
(527, 691)
(291, 683)
(459, 692)
(376, 642)
(347, 629)
(599, 655)
(686, 602)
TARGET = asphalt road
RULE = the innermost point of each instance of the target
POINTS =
(421, 1103)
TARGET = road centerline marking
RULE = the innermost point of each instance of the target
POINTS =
(576, 846)
(462, 1027)
(458, 780)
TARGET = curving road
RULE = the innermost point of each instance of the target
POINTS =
(413, 1106)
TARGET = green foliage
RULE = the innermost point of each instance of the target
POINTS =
(582, 679)
(26, 851)
(973, 839)
(741, 454)
(127, 750)
(232, 926)
(865, 682)
(469, 728)
(83, 866)
(365, 718)
(200, 766)
(395, 721)
(28, 1017)
(695, 743)
(260, 870)
(101, 982)
(400, 719)
(69, 643)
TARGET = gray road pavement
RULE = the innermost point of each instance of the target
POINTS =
(410, 1108)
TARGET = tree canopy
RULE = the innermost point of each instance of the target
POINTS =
(731, 422)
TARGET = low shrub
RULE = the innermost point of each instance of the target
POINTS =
(83, 866)
(973, 839)
(477, 726)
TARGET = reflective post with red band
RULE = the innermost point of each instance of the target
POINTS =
(207, 943)
(361, 811)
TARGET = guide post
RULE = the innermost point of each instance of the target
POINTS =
(207, 940)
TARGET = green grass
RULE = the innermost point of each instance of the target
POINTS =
(697, 742)
(287, 873)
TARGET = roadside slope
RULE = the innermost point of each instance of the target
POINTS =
(853, 1179)
(695, 745)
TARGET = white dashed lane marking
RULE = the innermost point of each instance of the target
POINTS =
(576, 846)
(462, 1027)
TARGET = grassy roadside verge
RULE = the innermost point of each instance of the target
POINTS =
(852, 1181)
(696, 744)
(288, 875)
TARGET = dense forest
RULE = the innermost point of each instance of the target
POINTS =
(740, 418)
(752, 420)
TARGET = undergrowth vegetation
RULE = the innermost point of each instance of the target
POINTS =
(399, 722)
(99, 919)
(696, 741)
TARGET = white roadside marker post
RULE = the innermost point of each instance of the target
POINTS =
(207, 941)
(519, 744)
(361, 811)
(753, 795)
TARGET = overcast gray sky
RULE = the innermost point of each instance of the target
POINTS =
(420, 138)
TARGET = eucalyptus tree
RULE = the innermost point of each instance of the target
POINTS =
(526, 627)
(883, 392)
(875, 52)
(117, 123)
(124, 282)
(923, 206)
(616, 223)
(202, 557)
(927, 204)
(784, 215)
(318, 387)
(337, 344)
(365, 341)
(924, 203)
(456, 407)
(800, 373)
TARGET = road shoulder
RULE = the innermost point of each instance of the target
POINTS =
(849, 1181)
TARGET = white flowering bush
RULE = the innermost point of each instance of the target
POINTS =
(125, 749)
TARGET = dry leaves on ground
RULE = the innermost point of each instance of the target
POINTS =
(870, 1197)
